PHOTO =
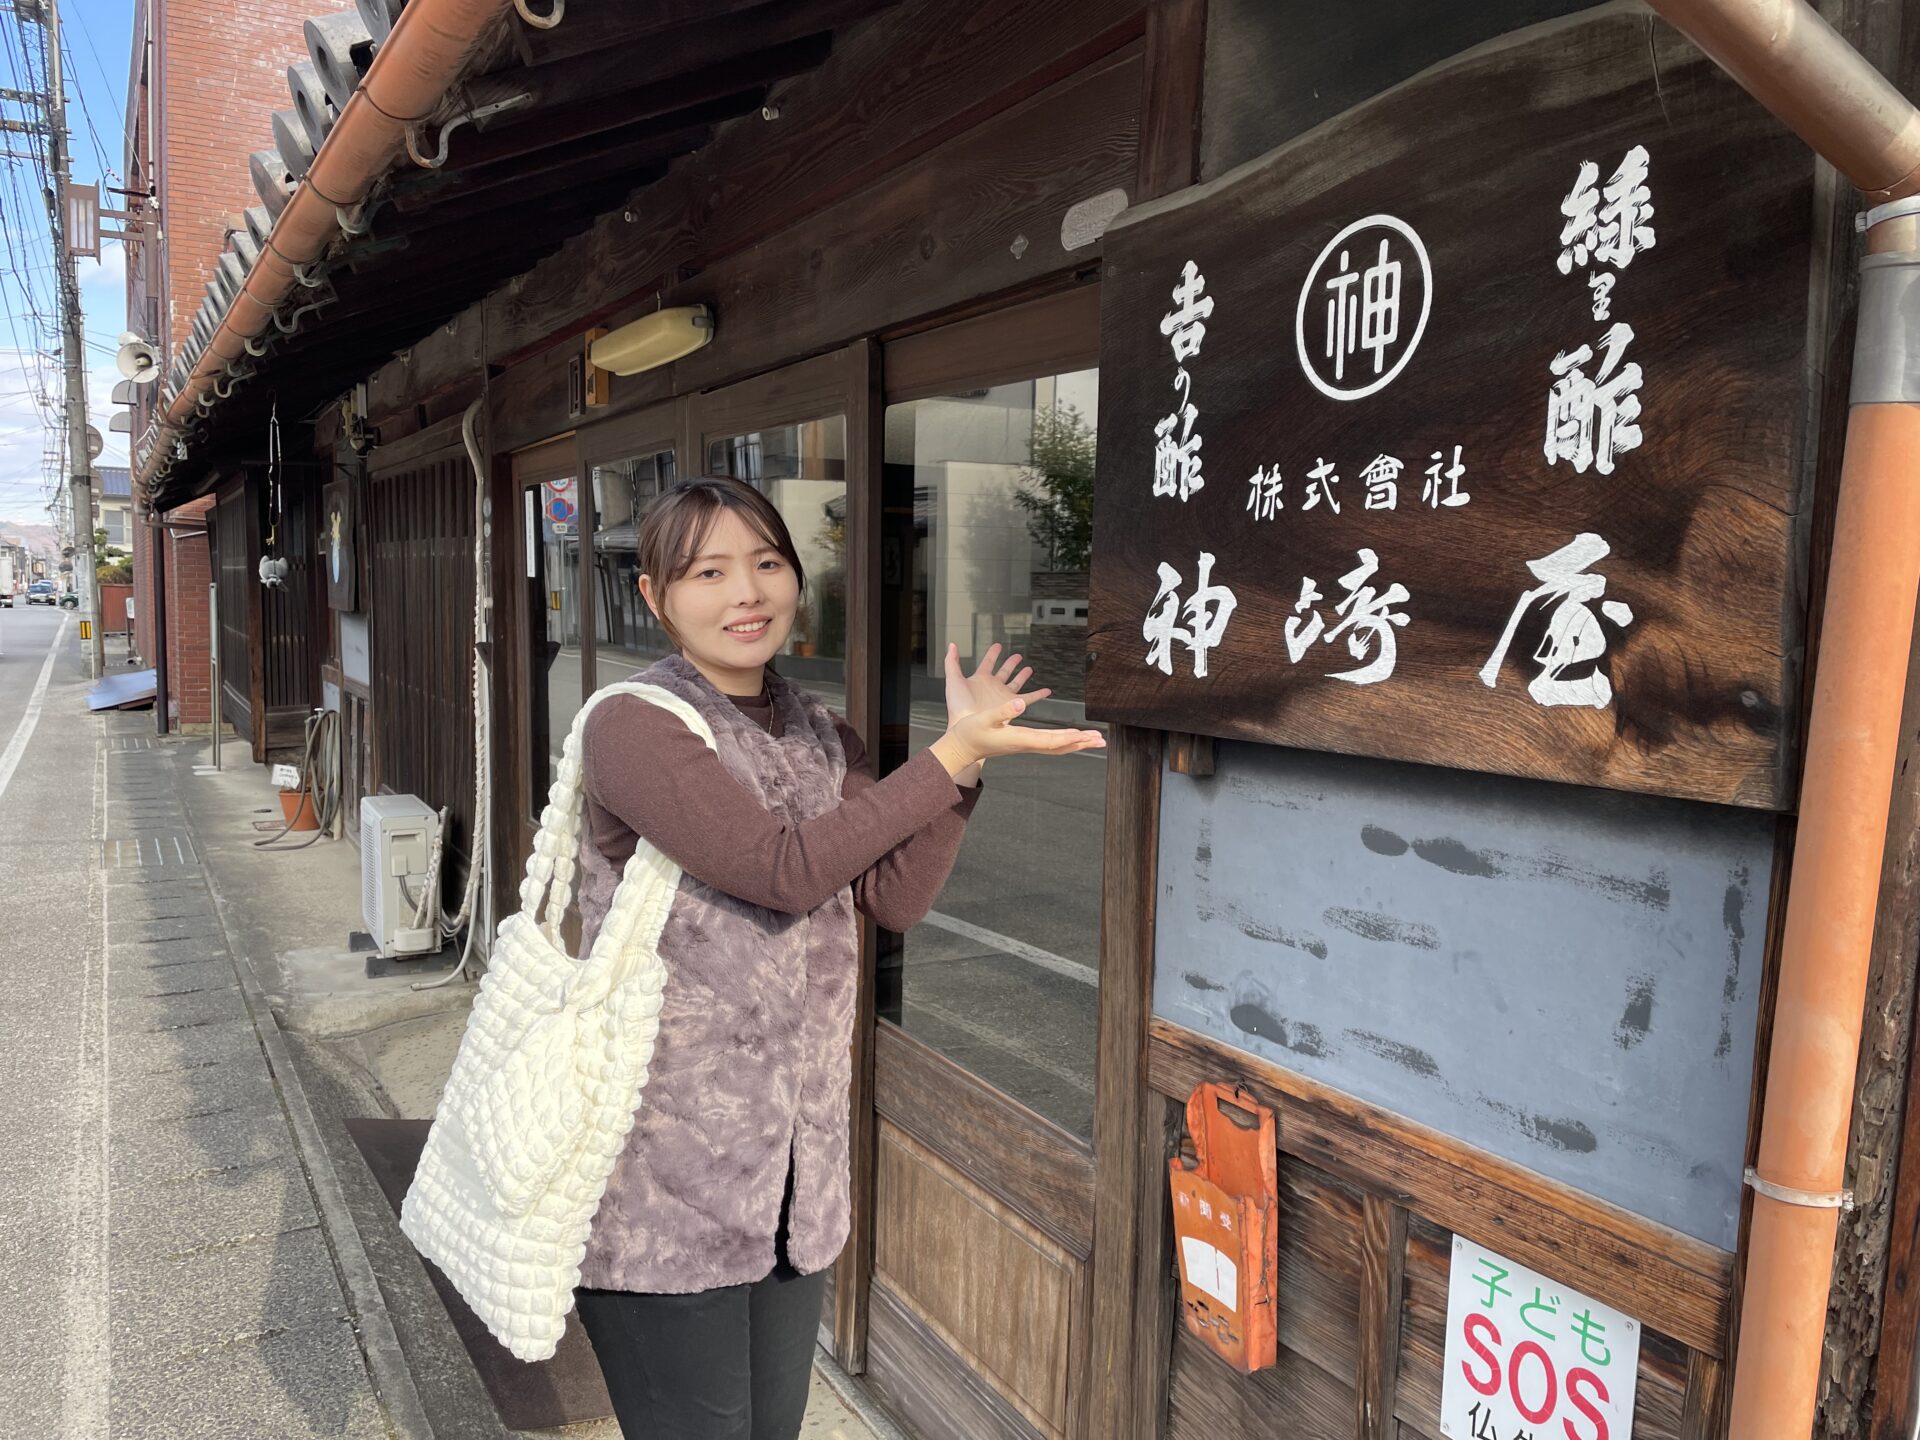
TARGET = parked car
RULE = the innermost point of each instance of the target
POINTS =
(42, 592)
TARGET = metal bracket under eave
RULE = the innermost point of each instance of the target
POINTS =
(475, 116)
(291, 325)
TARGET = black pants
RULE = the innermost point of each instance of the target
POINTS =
(726, 1364)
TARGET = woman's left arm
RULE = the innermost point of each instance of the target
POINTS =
(899, 889)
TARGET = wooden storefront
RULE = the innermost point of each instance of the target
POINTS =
(269, 637)
(1452, 824)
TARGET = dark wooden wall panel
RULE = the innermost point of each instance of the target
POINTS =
(232, 526)
(1266, 82)
(913, 1372)
(1364, 1259)
(1295, 1398)
(1319, 1268)
(289, 632)
(420, 521)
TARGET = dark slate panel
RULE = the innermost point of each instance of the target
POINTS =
(1565, 977)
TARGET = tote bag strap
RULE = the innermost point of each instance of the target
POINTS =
(549, 879)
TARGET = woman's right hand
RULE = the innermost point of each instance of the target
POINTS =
(990, 732)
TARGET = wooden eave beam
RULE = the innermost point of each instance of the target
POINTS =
(563, 124)
(896, 87)
(593, 26)
(666, 135)
(635, 63)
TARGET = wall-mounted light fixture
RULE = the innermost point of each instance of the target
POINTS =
(653, 340)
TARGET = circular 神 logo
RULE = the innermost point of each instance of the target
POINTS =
(1363, 308)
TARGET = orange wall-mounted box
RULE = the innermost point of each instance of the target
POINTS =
(1226, 1206)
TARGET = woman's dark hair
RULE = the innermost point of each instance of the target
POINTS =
(677, 524)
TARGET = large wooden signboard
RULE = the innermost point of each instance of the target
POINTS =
(1468, 429)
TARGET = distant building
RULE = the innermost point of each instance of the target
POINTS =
(206, 76)
(113, 506)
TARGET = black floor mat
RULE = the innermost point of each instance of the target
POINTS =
(562, 1391)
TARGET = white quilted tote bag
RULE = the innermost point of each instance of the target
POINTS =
(548, 1077)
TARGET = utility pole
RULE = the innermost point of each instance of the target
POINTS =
(74, 355)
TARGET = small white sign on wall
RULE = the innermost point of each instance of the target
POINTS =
(1529, 1358)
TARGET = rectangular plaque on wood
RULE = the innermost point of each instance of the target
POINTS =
(1467, 429)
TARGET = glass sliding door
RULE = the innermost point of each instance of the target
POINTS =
(626, 635)
(802, 468)
(987, 505)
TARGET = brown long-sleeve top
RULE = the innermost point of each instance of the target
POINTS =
(893, 840)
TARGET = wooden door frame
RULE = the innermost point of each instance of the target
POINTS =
(841, 382)
(1051, 1182)
(639, 432)
(515, 629)
(1135, 1128)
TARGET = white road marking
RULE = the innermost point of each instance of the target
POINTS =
(23, 732)
(88, 1349)
(1019, 949)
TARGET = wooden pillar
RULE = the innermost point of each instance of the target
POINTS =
(1135, 1128)
(866, 449)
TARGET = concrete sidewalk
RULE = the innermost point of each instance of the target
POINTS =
(362, 1046)
(168, 1274)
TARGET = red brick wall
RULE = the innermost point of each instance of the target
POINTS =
(189, 573)
(222, 73)
(226, 73)
(143, 545)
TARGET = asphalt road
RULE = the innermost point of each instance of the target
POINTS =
(25, 633)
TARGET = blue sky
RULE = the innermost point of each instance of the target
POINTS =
(98, 37)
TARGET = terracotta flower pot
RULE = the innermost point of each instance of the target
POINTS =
(296, 806)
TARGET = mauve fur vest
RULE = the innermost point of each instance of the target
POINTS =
(753, 1061)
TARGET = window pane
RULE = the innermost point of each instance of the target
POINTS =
(626, 636)
(803, 470)
(987, 513)
(552, 521)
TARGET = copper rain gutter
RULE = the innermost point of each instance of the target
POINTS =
(1800, 68)
(429, 47)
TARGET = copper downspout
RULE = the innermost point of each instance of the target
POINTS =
(426, 53)
(1795, 64)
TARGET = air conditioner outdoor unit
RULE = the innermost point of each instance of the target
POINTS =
(397, 834)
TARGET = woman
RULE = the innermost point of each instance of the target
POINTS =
(703, 1279)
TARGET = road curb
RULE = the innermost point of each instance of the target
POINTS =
(386, 1362)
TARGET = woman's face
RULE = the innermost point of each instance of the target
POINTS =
(734, 607)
